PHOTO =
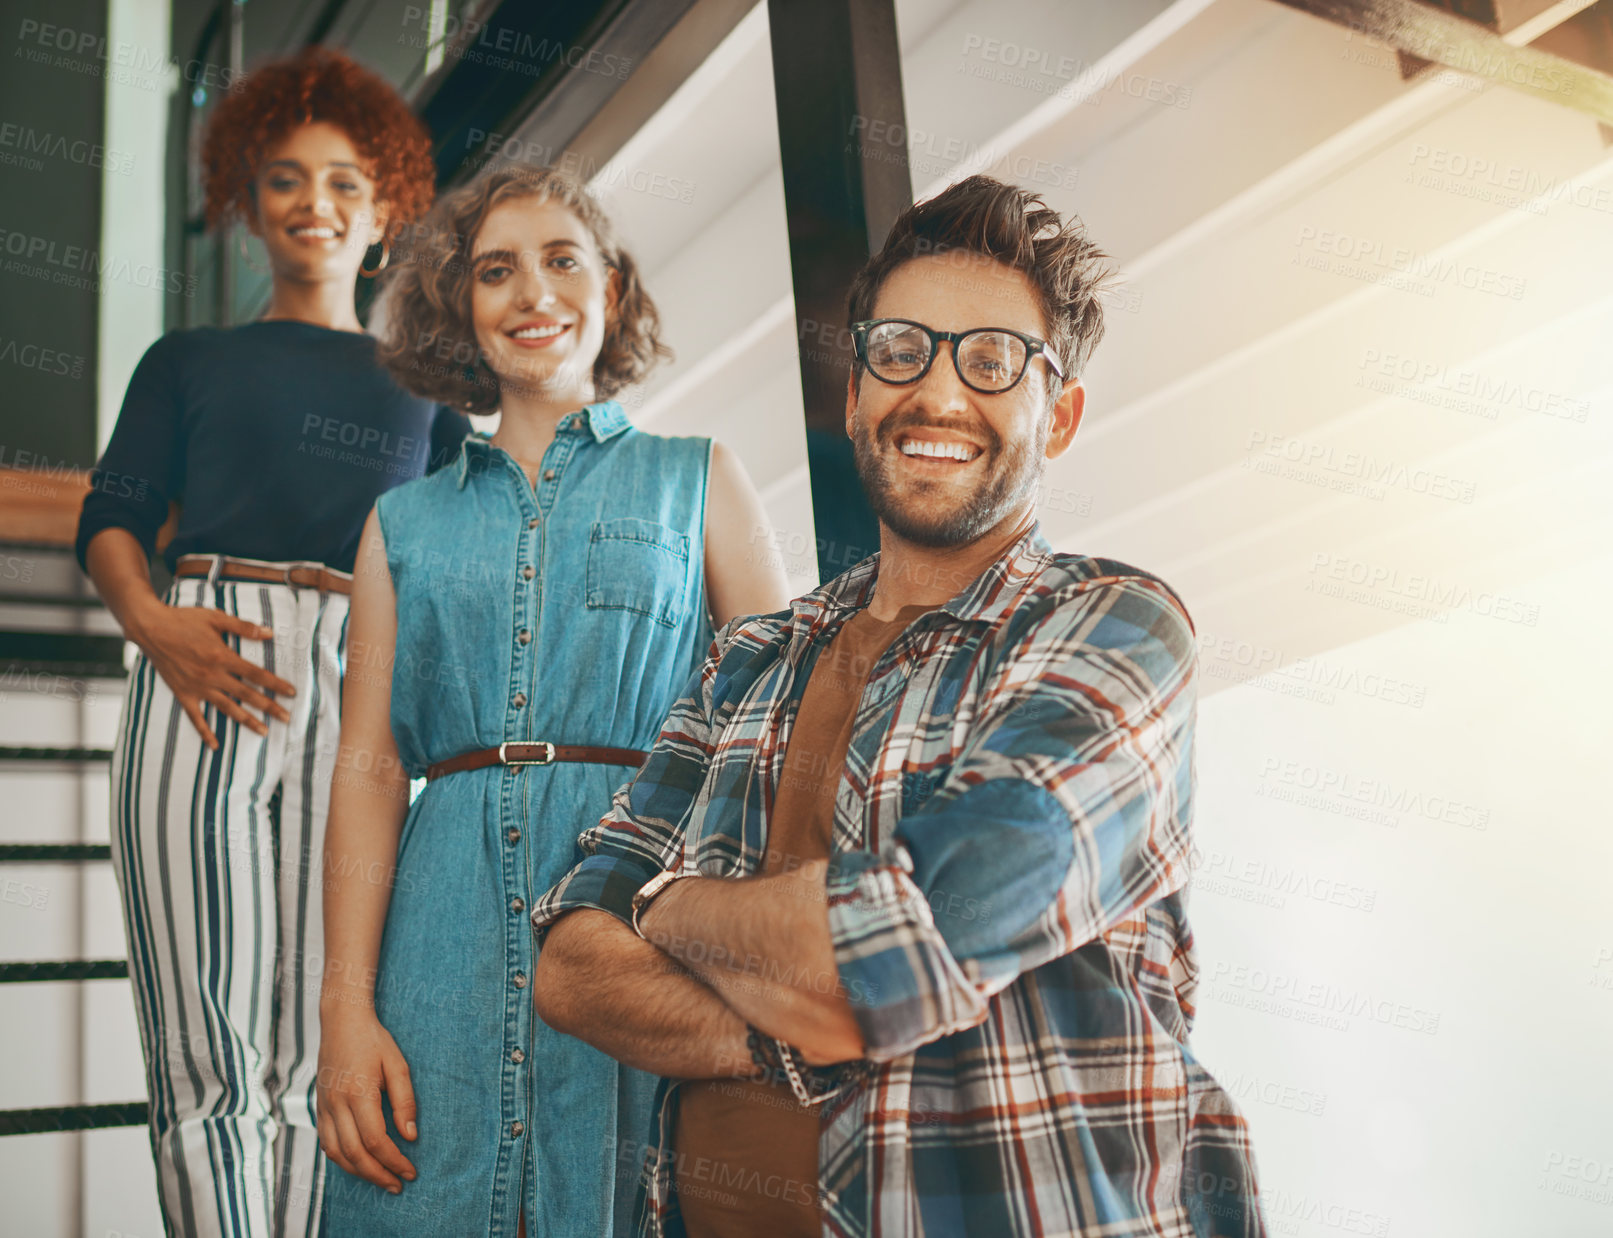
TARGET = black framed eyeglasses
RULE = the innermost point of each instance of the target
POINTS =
(990, 360)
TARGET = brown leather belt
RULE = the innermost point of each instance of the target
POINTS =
(297, 575)
(540, 753)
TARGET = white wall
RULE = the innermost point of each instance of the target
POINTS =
(1402, 917)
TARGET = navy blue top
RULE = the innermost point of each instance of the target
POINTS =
(275, 438)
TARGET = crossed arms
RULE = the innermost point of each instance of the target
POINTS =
(721, 954)
(1064, 813)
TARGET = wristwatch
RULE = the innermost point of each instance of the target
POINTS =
(649, 890)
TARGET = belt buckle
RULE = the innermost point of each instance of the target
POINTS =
(546, 759)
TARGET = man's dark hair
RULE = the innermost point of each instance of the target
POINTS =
(981, 215)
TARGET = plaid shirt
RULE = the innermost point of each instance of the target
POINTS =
(1006, 901)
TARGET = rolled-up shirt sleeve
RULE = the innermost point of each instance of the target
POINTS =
(1065, 814)
(644, 831)
(142, 468)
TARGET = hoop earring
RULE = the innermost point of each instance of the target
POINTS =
(386, 255)
(246, 258)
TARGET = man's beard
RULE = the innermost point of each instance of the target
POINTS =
(1013, 471)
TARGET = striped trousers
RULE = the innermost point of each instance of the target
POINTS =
(221, 891)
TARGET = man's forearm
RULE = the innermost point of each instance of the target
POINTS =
(598, 981)
(763, 944)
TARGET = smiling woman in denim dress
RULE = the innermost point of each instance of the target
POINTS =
(556, 586)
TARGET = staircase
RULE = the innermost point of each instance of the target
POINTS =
(75, 1156)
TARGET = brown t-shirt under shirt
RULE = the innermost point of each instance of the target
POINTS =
(746, 1153)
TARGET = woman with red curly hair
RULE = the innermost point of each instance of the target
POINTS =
(274, 438)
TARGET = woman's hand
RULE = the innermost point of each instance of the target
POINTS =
(358, 1060)
(186, 644)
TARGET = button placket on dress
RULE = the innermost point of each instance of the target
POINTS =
(518, 725)
(512, 802)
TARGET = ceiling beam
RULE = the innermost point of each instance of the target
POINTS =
(1517, 21)
(534, 65)
(1440, 36)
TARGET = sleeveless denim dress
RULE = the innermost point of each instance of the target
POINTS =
(576, 614)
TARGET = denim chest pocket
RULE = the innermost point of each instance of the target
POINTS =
(638, 565)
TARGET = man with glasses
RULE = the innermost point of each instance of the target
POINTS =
(896, 904)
